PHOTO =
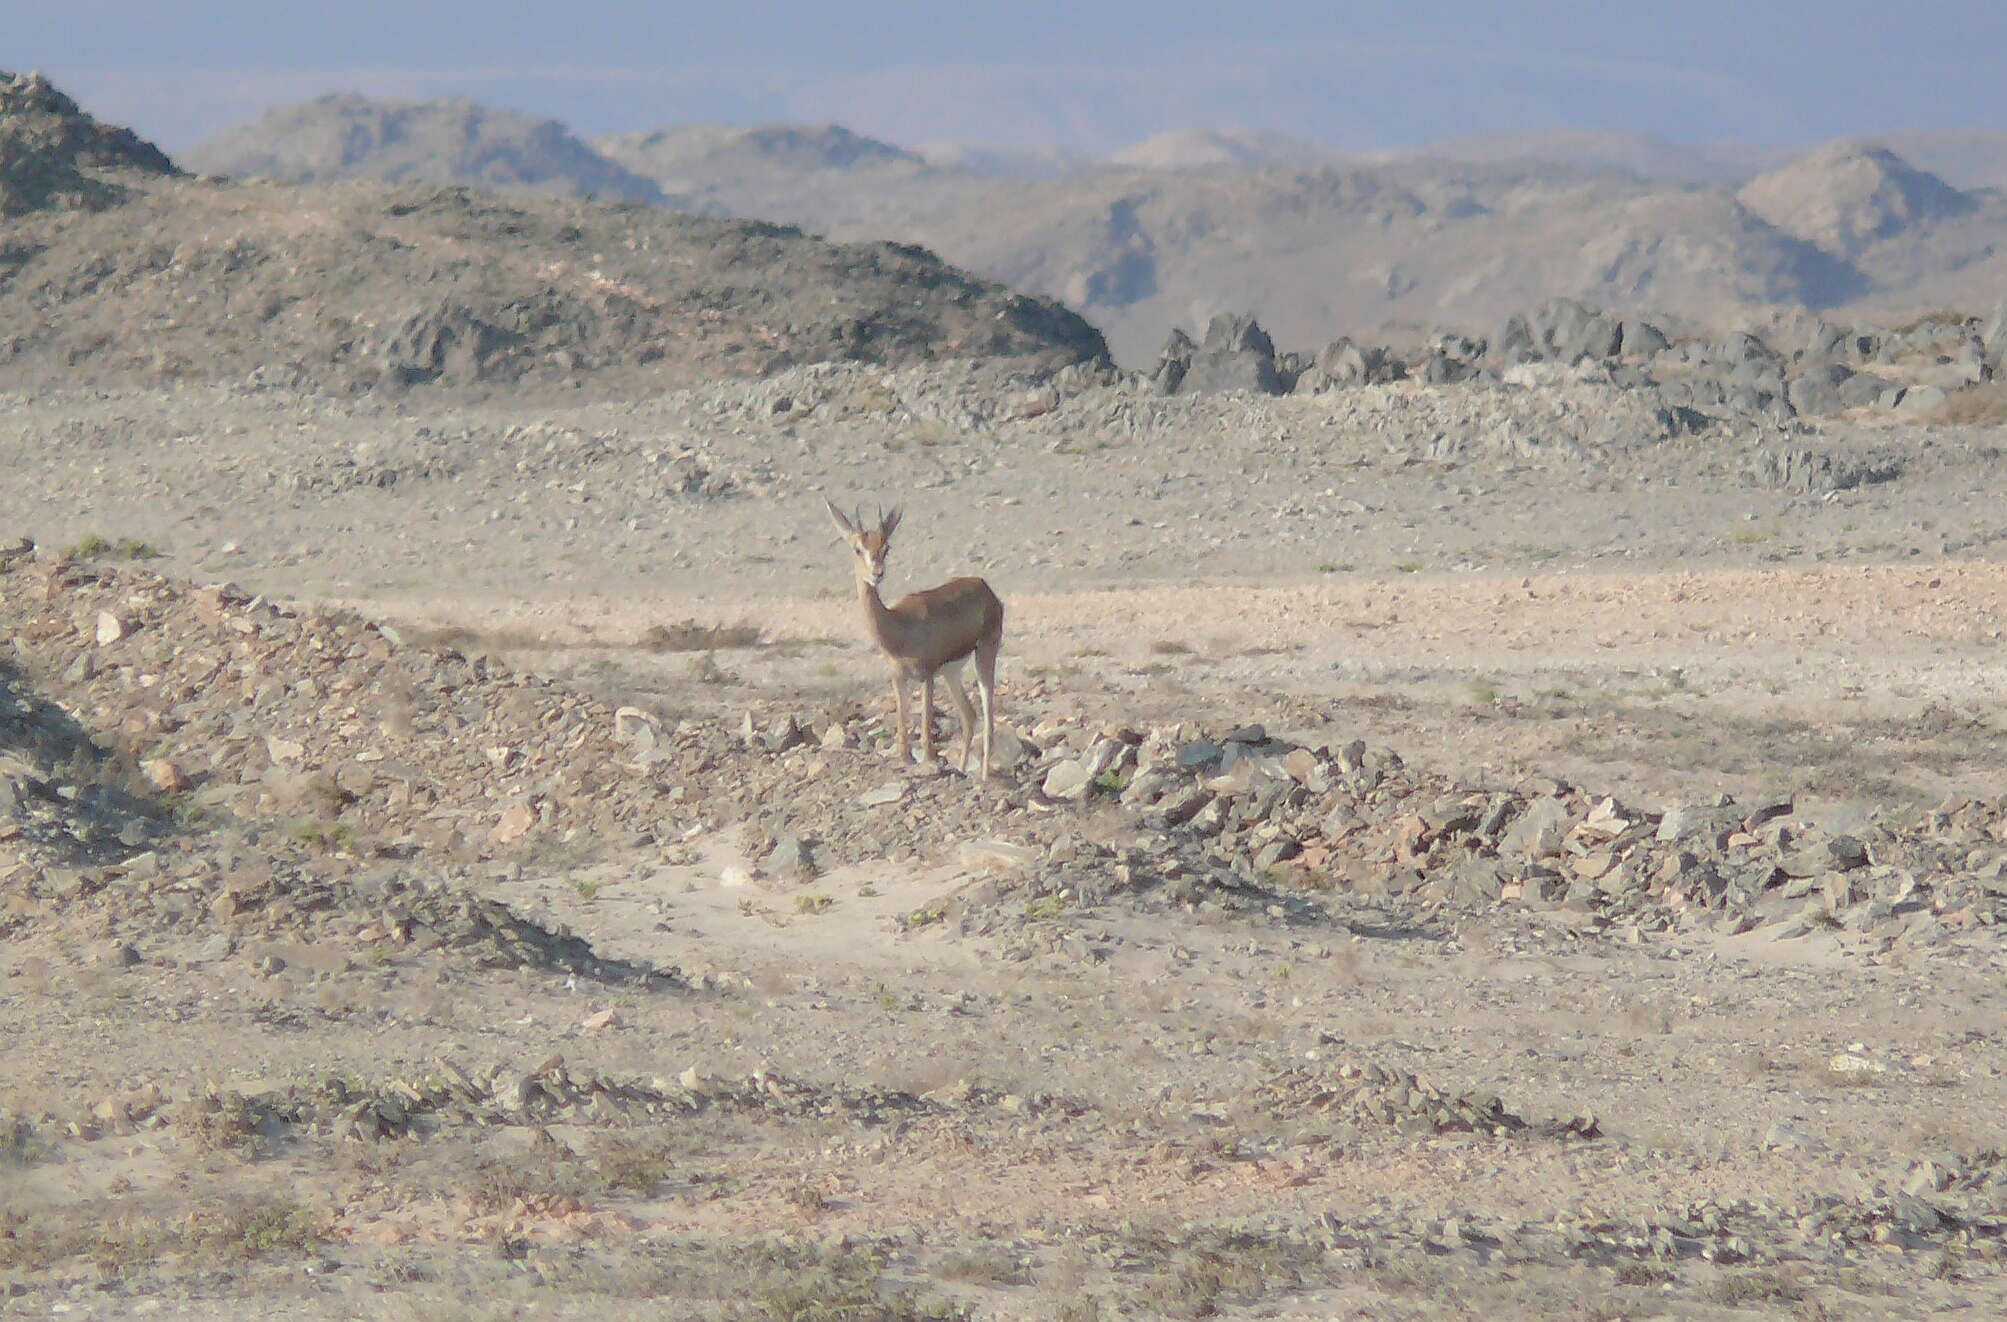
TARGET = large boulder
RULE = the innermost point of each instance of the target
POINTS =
(1827, 342)
(1863, 389)
(1570, 330)
(1514, 343)
(1450, 357)
(1172, 362)
(1343, 363)
(1642, 339)
(1236, 355)
(1817, 390)
(1745, 347)
(1993, 335)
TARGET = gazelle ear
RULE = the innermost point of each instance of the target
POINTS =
(843, 525)
(889, 522)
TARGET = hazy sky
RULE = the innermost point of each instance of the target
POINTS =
(1080, 75)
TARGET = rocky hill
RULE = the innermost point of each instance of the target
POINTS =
(451, 141)
(54, 156)
(1317, 251)
(365, 285)
(1322, 242)
(1208, 148)
(823, 176)
(1846, 198)
(1965, 158)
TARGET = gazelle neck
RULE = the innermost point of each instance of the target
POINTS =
(884, 624)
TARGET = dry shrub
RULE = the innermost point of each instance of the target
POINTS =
(1981, 404)
(217, 1122)
(690, 636)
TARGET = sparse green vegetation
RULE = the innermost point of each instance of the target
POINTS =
(1754, 535)
(925, 916)
(1047, 906)
(94, 547)
(812, 904)
(117, 1239)
(324, 837)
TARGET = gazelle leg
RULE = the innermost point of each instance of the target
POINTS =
(927, 720)
(899, 706)
(962, 709)
(986, 684)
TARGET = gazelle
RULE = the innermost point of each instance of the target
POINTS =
(928, 633)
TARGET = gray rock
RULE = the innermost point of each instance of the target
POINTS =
(982, 856)
(1275, 851)
(1514, 342)
(1068, 779)
(1342, 363)
(1236, 355)
(1783, 1134)
(782, 735)
(790, 858)
(1862, 390)
(1744, 347)
(1818, 389)
(1826, 342)
(1840, 853)
(1922, 399)
(1992, 332)
(354, 778)
(1914, 1215)
(1929, 1177)
(1198, 754)
(1181, 807)
(1172, 362)
(1641, 339)
(890, 792)
(1571, 330)
(1539, 831)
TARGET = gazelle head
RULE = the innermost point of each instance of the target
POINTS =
(869, 547)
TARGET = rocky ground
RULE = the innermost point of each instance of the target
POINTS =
(1493, 848)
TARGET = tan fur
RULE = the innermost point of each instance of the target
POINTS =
(928, 633)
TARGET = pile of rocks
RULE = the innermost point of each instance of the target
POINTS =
(1260, 815)
(326, 745)
(547, 1093)
(1389, 1095)
(1833, 370)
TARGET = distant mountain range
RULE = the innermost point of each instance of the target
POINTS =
(116, 268)
(1317, 241)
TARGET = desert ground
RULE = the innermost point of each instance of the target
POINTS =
(452, 862)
